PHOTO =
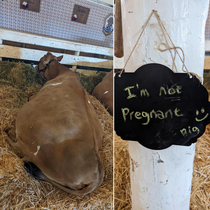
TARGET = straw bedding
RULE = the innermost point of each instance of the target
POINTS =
(122, 175)
(200, 193)
(20, 191)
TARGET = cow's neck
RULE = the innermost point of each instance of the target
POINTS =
(56, 69)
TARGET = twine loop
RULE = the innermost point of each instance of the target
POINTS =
(167, 46)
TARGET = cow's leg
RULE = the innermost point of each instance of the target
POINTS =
(31, 97)
(32, 169)
(14, 145)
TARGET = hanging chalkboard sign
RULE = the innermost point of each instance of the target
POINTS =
(159, 108)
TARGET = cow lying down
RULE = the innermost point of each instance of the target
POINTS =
(58, 133)
(104, 92)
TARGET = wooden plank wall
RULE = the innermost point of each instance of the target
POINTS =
(26, 46)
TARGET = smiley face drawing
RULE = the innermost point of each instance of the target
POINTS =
(199, 113)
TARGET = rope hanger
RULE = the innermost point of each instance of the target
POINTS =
(167, 45)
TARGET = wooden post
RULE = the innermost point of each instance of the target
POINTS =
(118, 37)
(1, 41)
(161, 179)
(74, 68)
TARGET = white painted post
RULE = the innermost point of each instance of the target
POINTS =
(161, 179)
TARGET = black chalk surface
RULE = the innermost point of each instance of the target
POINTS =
(159, 108)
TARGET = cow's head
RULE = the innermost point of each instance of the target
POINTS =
(74, 167)
(43, 67)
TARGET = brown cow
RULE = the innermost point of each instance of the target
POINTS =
(104, 92)
(58, 131)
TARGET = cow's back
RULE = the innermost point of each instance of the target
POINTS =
(60, 111)
(104, 91)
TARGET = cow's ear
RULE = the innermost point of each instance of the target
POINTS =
(60, 58)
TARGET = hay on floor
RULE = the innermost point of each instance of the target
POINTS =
(122, 187)
(18, 190)
(200, 192)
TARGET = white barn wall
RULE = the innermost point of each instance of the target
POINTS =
(54, 19)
